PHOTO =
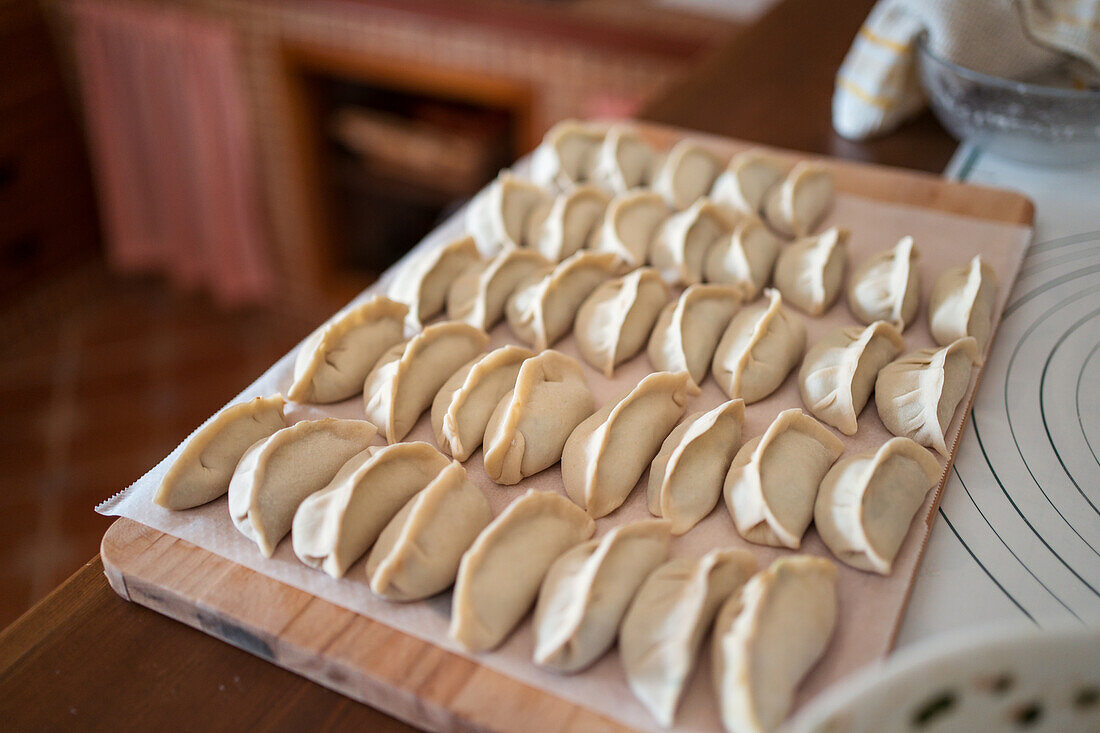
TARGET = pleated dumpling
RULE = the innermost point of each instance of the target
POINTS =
(560, 227)
(687, 173)
(796, 207)
(587, 590)
(686, 477)
(917, 394)
(772, 483)
(335, 359)
(478, 295)
(887, 286)
(405, 380)
(424, 280)
(680, 248)
(497, 216)
(205, 464)
(566, 155)
(464, 404)
(839, 372)
(499, 576)
(759, 349)
(542, 309)
(606, 454)
(867, 502)
(748, 178)
(629, 226)
(333, 527)
(417, 554)
(767, 637)
(661, 633)
(529, 426)
(623, 161)
(277, 473)
(614, 323)
(688, 329)
(745, 258)
(962, 304)
(810, 272)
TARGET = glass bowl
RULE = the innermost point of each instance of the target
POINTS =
(1029, 122)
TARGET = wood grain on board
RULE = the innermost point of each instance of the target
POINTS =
(366, 660)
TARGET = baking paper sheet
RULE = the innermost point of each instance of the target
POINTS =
(870, 605)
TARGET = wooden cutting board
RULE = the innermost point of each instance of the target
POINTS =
(366, 660)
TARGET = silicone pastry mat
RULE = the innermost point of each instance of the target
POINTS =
(870, 606)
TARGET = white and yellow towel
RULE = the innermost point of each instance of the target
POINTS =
(877, 86)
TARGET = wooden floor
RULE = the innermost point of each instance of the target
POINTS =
(100, 376)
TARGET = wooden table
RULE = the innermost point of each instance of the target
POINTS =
(84, 658)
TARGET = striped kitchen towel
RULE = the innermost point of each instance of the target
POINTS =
(877, 87)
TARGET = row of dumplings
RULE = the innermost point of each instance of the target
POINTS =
(708, 241)
(427, 527)
(616, 160)
(750, 351)
(808, 273)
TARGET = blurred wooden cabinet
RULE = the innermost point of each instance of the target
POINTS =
(374, 118)
(47, 216)
(385, 150)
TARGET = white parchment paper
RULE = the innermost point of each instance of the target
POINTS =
(870, 605)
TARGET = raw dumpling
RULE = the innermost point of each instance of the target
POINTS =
(277, 473)
(606, 454)
(334, 526)
(478, 295)
(745, 258)
(499, 576)
(587, 591)
(685, 480)
(798, 205)
(333, 362)
(559, 228)
(839, 372)
(962, 304)
(630, 226)
(567, 154)
(205, 464)
(867, 502)
(615, 322)
(887, 286)
(404, 381)
(542, 309)
(672, 612)
(464, 404)
(687, 330)
(810, 272)
(759, 349)
(767, 637)
(529, 426)
(681, 245)
(917, 394)
(747, 180)
(687, 173)
(772, 483)
(497, 216)
(424, 280)
(418, 552)
(623, 161)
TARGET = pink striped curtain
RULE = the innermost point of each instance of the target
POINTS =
(175, 163)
